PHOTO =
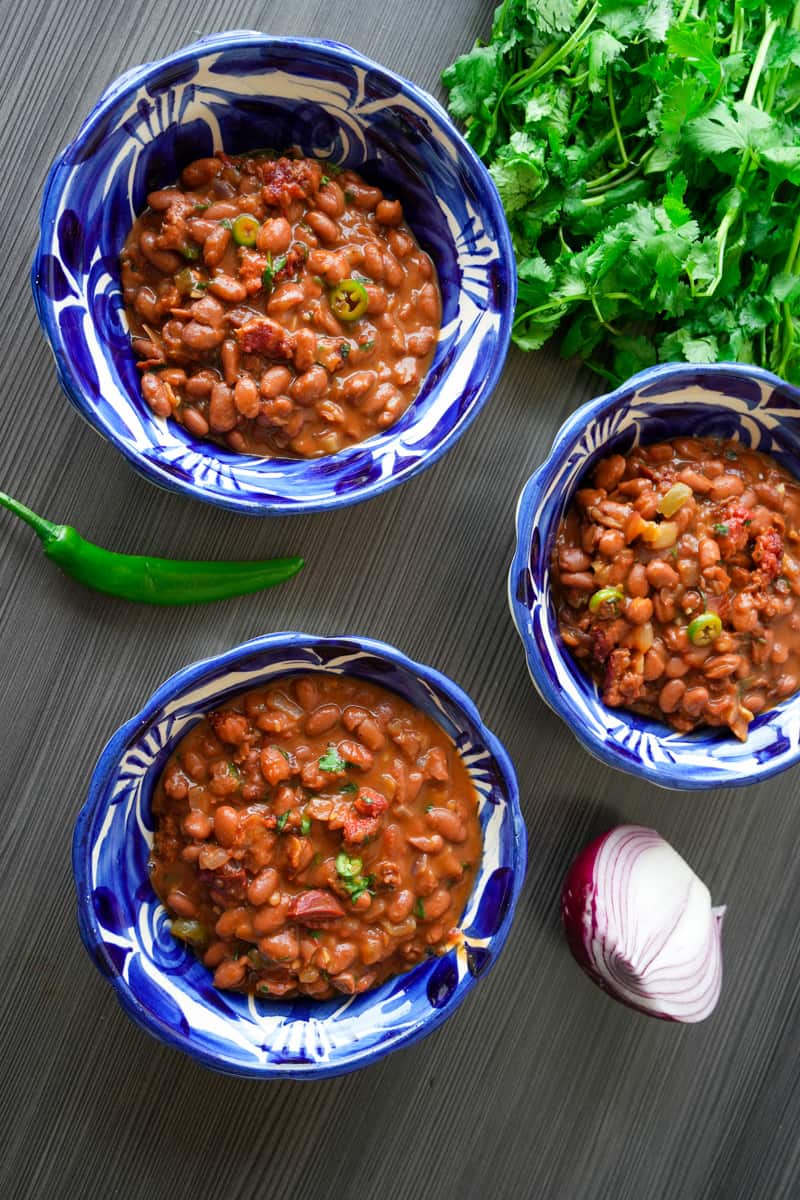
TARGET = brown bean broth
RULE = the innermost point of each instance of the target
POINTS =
(409, 812)
(267, 368)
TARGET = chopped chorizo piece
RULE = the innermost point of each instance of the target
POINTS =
(288, 179)
(263, 336)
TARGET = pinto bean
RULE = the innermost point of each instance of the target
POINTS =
(437, 904)
(694, 701)
(695, 480)
(572, 558)
(231, 290)
(165, 261)
(393, 273)
(671, 695)
(156, 394)
(197, 824)
(325, 228)
(274, 381)
(637, 583)
(196, 336)
(221, 409)
(305, 352)
(448, 823)
(201, 383)
(365, 197)
(719, 666)
(194, 421)
(353, 752)
(200, 172)
(330, 199)
(654, 663)
(285, 297)
(215, 246)
(609, 472)
(246, 397)
(725, 487)
(230, 356)
(272, 915)
(322, 719)
(389, 212)
(263, 887)
(310, 386)
(274, 236)
(582, 581)
(163, 198)
(229, 974)
(611, 542)
(639, 610)
(708, 553)
(786, 685)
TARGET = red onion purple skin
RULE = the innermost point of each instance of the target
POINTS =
(579, 885)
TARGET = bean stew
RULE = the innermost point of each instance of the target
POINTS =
(278, 305)
(315, 837)
(676, 579)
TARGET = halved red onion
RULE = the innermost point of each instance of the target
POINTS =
(641, 924)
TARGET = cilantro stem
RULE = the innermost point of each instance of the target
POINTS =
(758, 62)
(792, 262)
(523, 78)
(615, 120)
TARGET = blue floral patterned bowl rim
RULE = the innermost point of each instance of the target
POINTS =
(106, 769)
(218, 42)
(665, 775)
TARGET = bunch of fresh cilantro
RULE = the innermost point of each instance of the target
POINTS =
(648, 157)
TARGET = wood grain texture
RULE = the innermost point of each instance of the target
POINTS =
(539, 1086)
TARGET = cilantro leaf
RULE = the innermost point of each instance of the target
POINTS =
(331, 761)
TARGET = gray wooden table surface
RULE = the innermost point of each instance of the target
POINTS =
(539, 1086)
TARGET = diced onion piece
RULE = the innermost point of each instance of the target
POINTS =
(641, 925)
(660, 536)
(643, 637)
(677, 495)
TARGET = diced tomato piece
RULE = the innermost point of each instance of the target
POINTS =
(768, 553)
(370, 803)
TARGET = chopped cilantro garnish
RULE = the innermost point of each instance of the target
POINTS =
(305, 825)
(344, 349)
(349, 787)
(721, 530)
(281, 822)
(419, 909)
(331, 761)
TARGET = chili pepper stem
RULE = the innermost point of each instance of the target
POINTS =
(45, 529)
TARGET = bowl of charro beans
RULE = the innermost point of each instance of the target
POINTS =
(273, 274)
(300, 855)
(656, 580)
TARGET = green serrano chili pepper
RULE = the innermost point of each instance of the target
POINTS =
(349, 300)
(244, 230)
(610, 598)
(150, 580)
(705, 629)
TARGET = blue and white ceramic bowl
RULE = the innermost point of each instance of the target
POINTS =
(168, 991)
(728, 400)
(239, 91)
